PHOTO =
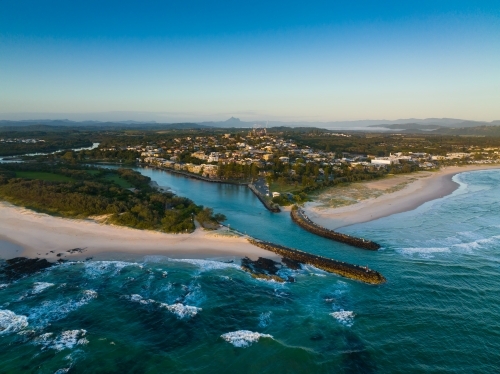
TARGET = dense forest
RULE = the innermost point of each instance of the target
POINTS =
(123, 196)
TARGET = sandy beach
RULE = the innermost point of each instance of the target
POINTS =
(417, 189)
(24, 232)
(30, 234)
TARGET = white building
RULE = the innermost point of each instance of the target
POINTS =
(385, 161)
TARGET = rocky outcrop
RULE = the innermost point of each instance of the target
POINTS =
(19, 267)
(303, 221)
(360, 273)
(264, 268)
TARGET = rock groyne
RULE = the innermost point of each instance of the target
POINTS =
(356, 272)
(303, 221)
(270, 206)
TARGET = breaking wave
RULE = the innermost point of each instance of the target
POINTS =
(422, 251)
(66, 340)
(180, 310)
(11, 322)
(96, 269)
(40, 286)
(58, 309)
(206, 265)
(243, 338)
(427, 252)
(345, 317)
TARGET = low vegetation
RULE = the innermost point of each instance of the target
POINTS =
(123, 195)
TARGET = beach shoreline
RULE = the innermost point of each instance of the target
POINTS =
(434, 186)
(44, 236)
(25, 233)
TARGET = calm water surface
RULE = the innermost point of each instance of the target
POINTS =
(437, 313)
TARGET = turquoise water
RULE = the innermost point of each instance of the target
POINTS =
(437, 313)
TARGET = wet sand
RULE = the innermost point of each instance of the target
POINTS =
(434, 186)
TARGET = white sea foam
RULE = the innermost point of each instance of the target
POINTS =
(452, 245)
(422, 251)
(61, 371)
(206, 265)
(139, 299)
(55, 310)
(3, 285)
(345, 317)
(11, 322)
(477, 244)
(265, 319)
(195, 295)
(66, 340)
(243, 338)
(96, 269)
(40, 286)
(181, 310)
(314, 271)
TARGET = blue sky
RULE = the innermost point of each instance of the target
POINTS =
(201, 60)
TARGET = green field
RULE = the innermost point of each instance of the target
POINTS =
(283, 188)
(118, 180)
(50, 177)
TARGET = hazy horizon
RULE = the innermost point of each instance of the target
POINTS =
(283, 61)
(165, 118)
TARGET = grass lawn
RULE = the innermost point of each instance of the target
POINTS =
(50, 177)
(275, 187)
(118, 180)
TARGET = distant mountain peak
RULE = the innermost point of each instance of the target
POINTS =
(233, 119)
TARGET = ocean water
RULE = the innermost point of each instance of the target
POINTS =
(438, 312)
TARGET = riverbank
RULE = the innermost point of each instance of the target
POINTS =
(40, 235)
(404, 193)
(194, 176)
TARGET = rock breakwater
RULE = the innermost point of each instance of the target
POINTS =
(303, 221)
(270, 206)
(356, 272)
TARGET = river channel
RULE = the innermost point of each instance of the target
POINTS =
(246, 214)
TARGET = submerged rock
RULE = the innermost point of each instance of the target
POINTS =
(292, 264)
(263, 268)
(20, 266)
